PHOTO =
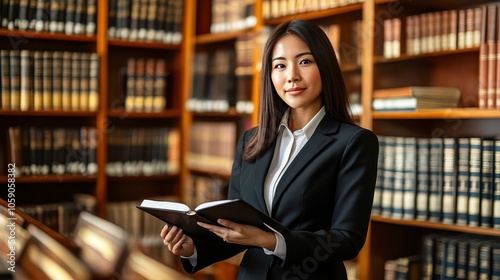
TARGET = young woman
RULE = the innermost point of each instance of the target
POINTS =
(307, 165)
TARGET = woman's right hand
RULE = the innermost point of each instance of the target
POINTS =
(177, 242)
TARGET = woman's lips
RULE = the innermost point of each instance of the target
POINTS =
(295, 90)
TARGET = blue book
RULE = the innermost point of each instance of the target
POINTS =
(475, 181)
(463, 181)
(410, 178)
(462, 258)
(496, 185)
(449, 180)
(422, 206)
(436, 179)
(387, 191)
(484, 261)
(399, 169)
(486, 183)
(495, 260)
(450, 258)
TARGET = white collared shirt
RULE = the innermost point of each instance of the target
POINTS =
(288, 145)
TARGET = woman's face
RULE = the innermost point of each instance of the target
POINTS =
(295, 74)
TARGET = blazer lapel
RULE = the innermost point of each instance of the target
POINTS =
(320, 138)
(260, 172)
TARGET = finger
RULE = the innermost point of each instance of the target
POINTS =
(227, 223)
(164, 231)
(178, 236)
(178, 245)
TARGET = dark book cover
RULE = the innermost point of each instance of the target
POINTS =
(182, 216)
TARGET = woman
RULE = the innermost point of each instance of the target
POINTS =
(306, 165)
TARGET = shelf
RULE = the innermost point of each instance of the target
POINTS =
(405, 57)
(229, 114)
(144, 177)
(435, 225)
(459, 113)
(143, 45)
(314, 15)
(212, 38)
(47, 36)
(122, 114)
(67, 178)
(48, 113)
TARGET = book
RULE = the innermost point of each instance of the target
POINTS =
(433, 92)
(182, 216)
(415, 97)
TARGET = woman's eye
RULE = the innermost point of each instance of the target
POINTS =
(305, 61)
(279, 66)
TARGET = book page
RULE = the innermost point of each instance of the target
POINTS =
(212, 203)
(168, 205)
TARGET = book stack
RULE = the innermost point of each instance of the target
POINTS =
(52, 150)
(446, 180)
(49, 80)
(415, 98)
(489, 64)
(72, 17)
(146, 20)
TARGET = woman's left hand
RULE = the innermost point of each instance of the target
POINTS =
(242, 234)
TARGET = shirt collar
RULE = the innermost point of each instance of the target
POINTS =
(310, 127)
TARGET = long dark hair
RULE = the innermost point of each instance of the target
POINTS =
(272, 107)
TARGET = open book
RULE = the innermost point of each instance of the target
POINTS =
(236, 210)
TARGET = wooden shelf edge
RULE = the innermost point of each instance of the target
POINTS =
(313, 15)
(143, 44)
(144, 177)
(436, 225)
(122, 114)
(211, 38)
(458, 113)
(47, 35)
(52, 179)
(49, 113)
(405, 57)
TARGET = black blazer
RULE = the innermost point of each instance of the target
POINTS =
(324, 198)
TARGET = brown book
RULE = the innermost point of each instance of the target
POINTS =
(417, 91)
(469, 27)
(66, 81)
(131, 84)
(57, 61)
(15, 148)
(93, 82)
(15, 79)
(149, 85)
(84, 81)
(75, 80)
(90, 28)
(160, 86)
(47, 80)
(453, 32)
(26, 81)
(491, 53)
(483, 62)
(388, 38)
(461, 29)
(5, 79)
(38, 80)
(140, 68)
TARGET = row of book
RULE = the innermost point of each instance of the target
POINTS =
(229, 15)
(244, 47)
(347, 49)
(146, 20)
(448, 180)
(49, 80)
(433, 32)
(53, 150)
(212, 146)
(403, 268)
(200, 188)
(414, 98)
(489, 59)
(55, 16)
(143, 151)
(280, 8)
(145, 84)
(460, 256)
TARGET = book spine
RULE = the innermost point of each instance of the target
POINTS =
(66, 81)
(399, 168)
(5, 78)
(149, 85)
(38, 80)
(449, 180)
(160, 86)
(486, 191)
(462, 258)
(436, 179)
(140, 65)
(91, 23)
(388, 184)
(134, 20)
(377, 196)
(143, 20)
(23, 22)
(26, 81)
(75, 80)
(483, 62)
(93, 82)
(496, 186)
(58, 151)
(80, 17)
(15, 79)
(46, 150)
(57, 60)
(491, 27)
(475, 181)
(463, 181)
(47, 80)
(130, 85)
(70, 17)
(410, 178)
(84, 81)
(484, 261)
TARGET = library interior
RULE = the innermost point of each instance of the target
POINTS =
(107, 104)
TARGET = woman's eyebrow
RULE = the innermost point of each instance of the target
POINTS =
(296, 56)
